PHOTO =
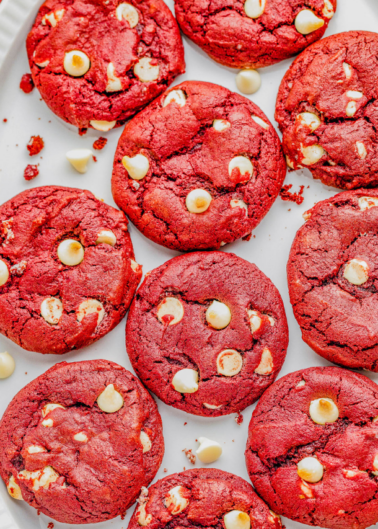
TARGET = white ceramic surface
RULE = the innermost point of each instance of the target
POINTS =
(27, 116)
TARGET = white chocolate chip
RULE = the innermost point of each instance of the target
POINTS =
(127, 12)
(361, 150)
(90, 306)
(310, 469)
(175, 500)
(198, 201)
(70, 252)
(306, 490)
(53, 17)
(145, 71)
(48, 408)
(353, 94)
(51, 310)
(310, 120)
(81, 437)
(175, 96)
(351, 109)
(367, 202)
(347, 70)
(237, 520)
(312, 154)
(221, 124)
(106, 237)
(306, 22)
(274, 518)
(375, 462)
(208, 450)
(76, 63)
(137, 166)
(289, 162)
(48, 423)
(218, 315)
(40, 478)
(43, 64)
(170, 307)
(185, 381)
(146, 442)
(323, 411)
(254, 320)
(254, 8)
(110, 400)
(356, 272)
(248, 81)
(79, 159)
(7, 365)
(35, 449)
(265, 366)
(4, 273)
(350, 474)
(134, 265)
(229, 363)
(142, 517)
(260, 122)
(103, 126)
(237, 203)
(328, 10)
(212, 406)
(14, 489)
(301, 384)
(113, 83)
(243, 166)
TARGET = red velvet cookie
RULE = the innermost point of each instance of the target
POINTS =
(312, 450)
(202, 498)
(332, 276)
(67, 269)
(198, 168)
(253, 33)
(207, 333)
(96, 62)
(327, 110)
(80, 441)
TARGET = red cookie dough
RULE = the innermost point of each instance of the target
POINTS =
(82, 302)
(184, 152)
(282, 433)
(250, 349)
(200, 498)
(111, 90)
(77, 463)
(225, 32)
(327, 110)
(332, 275)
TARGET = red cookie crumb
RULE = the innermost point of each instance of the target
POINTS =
(27, 83)
(239, 418)
(50, 525)
(285, 194)
(94, 158)
(5, 120)
(31, 171)
(189, 454)
(100, 143)
(35, 145)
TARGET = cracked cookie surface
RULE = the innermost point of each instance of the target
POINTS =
(201, 498)
(198, 136)
(47, 306)
(332, 277)
(223, 29)
(327, 110)
(97, 461)
(232, 359)
(114, 37)
(283, 432)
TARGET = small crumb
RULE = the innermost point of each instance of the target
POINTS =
(50, 525)
(35, 145)
(286, 194)
(5, 120)
(233, 440)
(184, 468)
(289, 209)
(31, 171)
(185, 423)
(189, 454)
(100, 143)
(239, 418)
(123, 516)
(94, 158)
(26, 372)
(165, 470)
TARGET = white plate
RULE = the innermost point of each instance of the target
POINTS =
(28, 116)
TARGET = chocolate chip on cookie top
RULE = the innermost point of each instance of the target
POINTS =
(203, 498)
(96, 62)
(332, 277)
(254, 33)
(80, 441)
(207, 333)
(198, 168)
(327, 110)
(67, 269)
(312, 450)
